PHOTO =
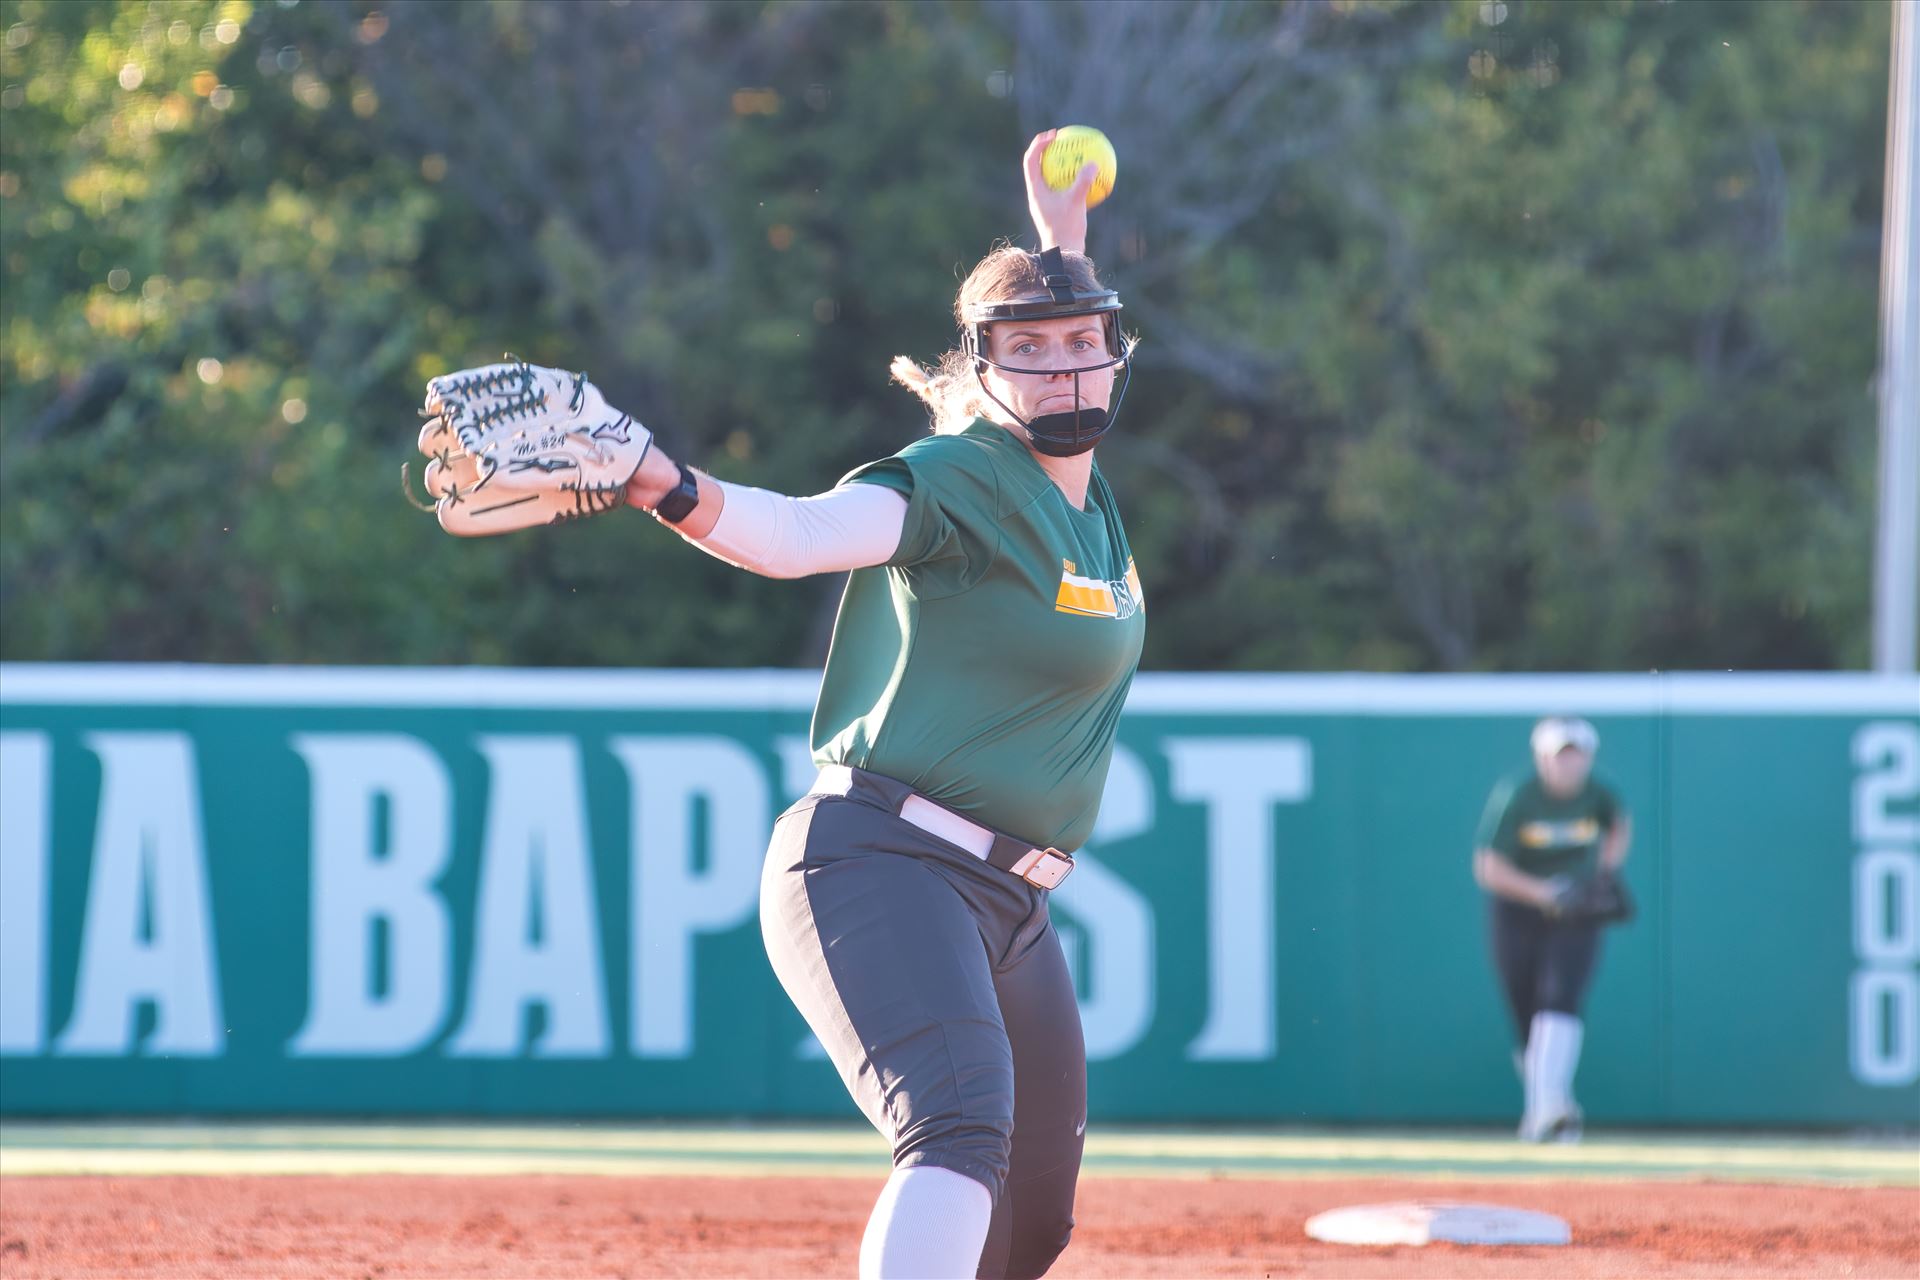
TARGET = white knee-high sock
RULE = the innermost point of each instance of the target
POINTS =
(1553, 1055)
(929, 1224)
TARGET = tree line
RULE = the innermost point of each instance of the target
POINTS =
(1475, 336)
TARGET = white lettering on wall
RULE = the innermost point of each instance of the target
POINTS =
(1884, 995)
(26, 799)
(536, 930)
(1239, 780)
(1886, 907)
(683, 888)
(365, 880)
(1886, 1027)
(148, 931)
(1889, 752)
(797, 769)
(1108, 934)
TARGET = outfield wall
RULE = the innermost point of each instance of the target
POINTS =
(456, 891)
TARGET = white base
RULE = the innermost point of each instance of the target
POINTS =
(1418, 1222)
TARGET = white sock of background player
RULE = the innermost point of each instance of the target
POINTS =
(1553, 1055)
(929, 1224)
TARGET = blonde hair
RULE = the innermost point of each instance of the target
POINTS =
(949, 387)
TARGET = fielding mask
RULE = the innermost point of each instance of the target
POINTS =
(1059, 435)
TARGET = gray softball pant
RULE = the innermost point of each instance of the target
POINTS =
(938, 987)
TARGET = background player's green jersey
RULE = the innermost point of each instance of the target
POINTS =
(1544, 835)
(985, 665)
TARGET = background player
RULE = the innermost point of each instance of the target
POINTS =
(1550, 843)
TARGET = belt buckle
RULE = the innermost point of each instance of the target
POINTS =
(1045, 868)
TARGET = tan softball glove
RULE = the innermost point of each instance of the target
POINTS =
(515, 445)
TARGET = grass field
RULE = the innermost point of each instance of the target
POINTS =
(625, 1150)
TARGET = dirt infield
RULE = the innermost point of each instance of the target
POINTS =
(552, 1226)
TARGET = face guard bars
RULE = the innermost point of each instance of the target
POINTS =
(1059, 435)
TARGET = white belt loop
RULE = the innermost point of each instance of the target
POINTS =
(834, 780)
(948, 825)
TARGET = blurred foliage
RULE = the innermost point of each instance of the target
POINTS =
(1496, 336)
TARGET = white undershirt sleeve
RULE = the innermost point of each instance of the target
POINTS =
(852, 527)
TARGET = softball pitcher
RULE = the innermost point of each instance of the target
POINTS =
(1550, 847)
(989, 631)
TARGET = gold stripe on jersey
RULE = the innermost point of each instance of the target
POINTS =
(1093, 598)
(1560, 835)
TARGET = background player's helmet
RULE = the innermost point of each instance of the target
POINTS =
(1556, 733)
(1059, 435)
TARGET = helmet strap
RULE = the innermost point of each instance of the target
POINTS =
(1058, 435)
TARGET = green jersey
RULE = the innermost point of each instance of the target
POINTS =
(1545, 835)
(986, 663)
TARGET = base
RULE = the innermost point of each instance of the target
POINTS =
(1418, 1222)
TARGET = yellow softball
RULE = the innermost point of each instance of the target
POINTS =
(1073, 148)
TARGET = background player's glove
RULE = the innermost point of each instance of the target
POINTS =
(515, 445)
(1601, 898)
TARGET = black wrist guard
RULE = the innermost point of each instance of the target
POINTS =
(681, 499)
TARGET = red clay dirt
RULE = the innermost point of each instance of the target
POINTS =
(548, 1226)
